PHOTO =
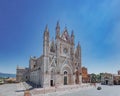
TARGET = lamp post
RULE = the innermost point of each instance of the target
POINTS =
(80, 78)
(112, 79)
(91, 78)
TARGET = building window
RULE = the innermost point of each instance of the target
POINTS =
(65, 72)
(34, 66)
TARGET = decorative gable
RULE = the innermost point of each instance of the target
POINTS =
(65, 35)
(52, 47)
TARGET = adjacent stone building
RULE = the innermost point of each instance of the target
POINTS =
(116, 79)
(118, 72)
(107, 78)
(85, 75)
(22, 74)
(60, 63)
(110, 79)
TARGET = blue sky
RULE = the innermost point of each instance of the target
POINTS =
(96, 24)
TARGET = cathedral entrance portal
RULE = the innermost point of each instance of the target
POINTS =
(52, 78)
(66, 75)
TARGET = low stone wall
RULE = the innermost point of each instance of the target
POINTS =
(57, 89)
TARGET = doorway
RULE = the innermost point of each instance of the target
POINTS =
(106, 82)
(115, 83)
(51, 83)
(119, 82)
(65, 80)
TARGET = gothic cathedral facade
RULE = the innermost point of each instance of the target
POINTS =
(60, 63)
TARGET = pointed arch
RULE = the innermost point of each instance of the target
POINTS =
(67, 68)
(66, 73)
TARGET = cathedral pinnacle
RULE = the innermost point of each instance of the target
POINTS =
(57, 29)
(46, 28)
(46, 32)
(78, 45)
(72, 37)
(65, 29)
(72, 34)
(57, 26)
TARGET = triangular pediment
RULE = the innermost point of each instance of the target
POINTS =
(53, 64)
(65, 35)
(52, 46)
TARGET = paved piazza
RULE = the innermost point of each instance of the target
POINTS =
(18, 90)
(12, 90)
(106, 91)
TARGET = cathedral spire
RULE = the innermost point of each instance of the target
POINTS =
(65, 29)
(72, 37)
(78, 46)
(46, 41)
(78, 51)
(57, 29)
(46, 28)
(58, 26)
(46, 32)
(72, 34)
